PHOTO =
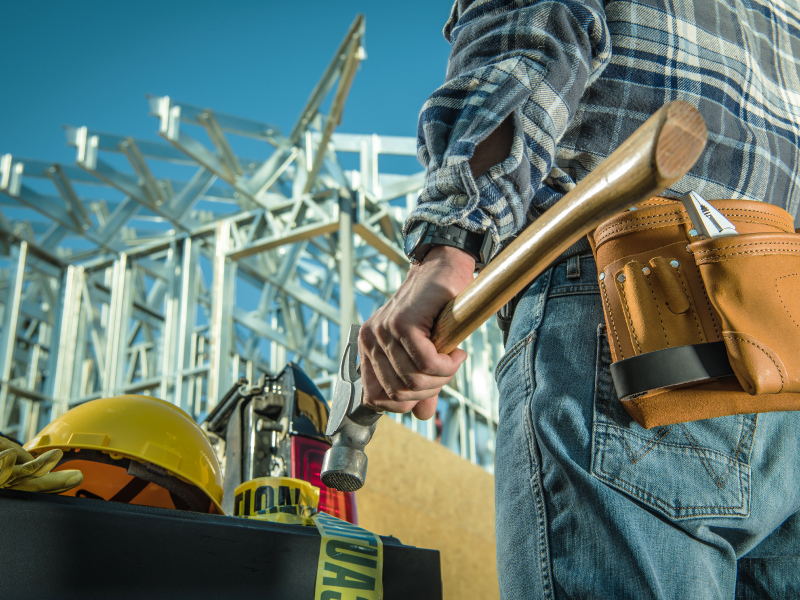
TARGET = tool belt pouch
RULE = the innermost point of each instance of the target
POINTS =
(701, 328)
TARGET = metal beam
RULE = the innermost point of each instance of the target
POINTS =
(124, 281)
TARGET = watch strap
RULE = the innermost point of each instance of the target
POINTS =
(478, 244)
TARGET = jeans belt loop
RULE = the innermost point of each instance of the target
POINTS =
(574, 267)
(506, 314)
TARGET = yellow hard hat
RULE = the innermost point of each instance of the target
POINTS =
(146, 431)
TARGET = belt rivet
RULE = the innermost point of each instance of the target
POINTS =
(602, 276)
(674, 264)
(693, 232)
(621, 277)
(646, 270)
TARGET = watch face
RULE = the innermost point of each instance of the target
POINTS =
(413, 238)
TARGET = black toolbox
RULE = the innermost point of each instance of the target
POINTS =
(58, 547)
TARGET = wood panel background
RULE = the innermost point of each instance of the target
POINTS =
(426, 496)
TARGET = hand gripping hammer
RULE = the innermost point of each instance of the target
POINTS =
(653, 158)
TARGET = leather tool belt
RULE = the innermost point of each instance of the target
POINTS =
(701, 328)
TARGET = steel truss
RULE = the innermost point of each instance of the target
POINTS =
(174, 267)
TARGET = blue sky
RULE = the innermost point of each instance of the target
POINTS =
(90, 62)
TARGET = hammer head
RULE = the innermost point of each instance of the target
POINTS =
(344, 469)
(350, 425)
(345, 464)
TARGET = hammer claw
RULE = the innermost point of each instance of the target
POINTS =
(344, 389)
(350, 424)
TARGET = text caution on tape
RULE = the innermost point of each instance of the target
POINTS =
(350, 561)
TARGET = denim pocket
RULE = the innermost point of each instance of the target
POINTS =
(503, 363)
(687, 470)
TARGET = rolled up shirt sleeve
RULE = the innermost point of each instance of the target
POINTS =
(530, 61)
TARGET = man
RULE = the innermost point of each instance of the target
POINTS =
(589, 504)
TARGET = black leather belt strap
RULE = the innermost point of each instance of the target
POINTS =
(670, 366)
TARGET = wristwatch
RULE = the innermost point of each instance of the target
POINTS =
(423, 236)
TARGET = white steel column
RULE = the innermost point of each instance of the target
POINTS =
(221, 316)
(187, 318)
(64, 343)
(117, 326)
(8, 335)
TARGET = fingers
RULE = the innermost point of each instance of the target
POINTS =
(379, 376)
(375, 394)
(426, 409)
(23, 455)
(51, 483)
(38, 466)
(398, 373)
(401, 377)
(414, 357)
(33, 474)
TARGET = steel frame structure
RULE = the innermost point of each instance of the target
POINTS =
(174, 267)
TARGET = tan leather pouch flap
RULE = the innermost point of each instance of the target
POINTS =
(753, 282)
(662, 288)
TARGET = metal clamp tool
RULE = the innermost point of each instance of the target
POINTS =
(707, 220)
(350, 425)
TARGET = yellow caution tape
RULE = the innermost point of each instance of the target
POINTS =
(276, 499)
(350, 558)
(350, 561)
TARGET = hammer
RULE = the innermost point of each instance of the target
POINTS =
(652, 159)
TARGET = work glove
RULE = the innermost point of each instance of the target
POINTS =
(19, 470)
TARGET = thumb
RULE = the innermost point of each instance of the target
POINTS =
(459, 356)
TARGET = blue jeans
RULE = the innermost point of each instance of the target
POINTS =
(591, 505)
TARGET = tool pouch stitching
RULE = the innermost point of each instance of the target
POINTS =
(628, 320)
(766, 234)
(766, 353)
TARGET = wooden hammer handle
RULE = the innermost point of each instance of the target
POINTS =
(655, 156)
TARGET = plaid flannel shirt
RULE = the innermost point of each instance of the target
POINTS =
(578, 77)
